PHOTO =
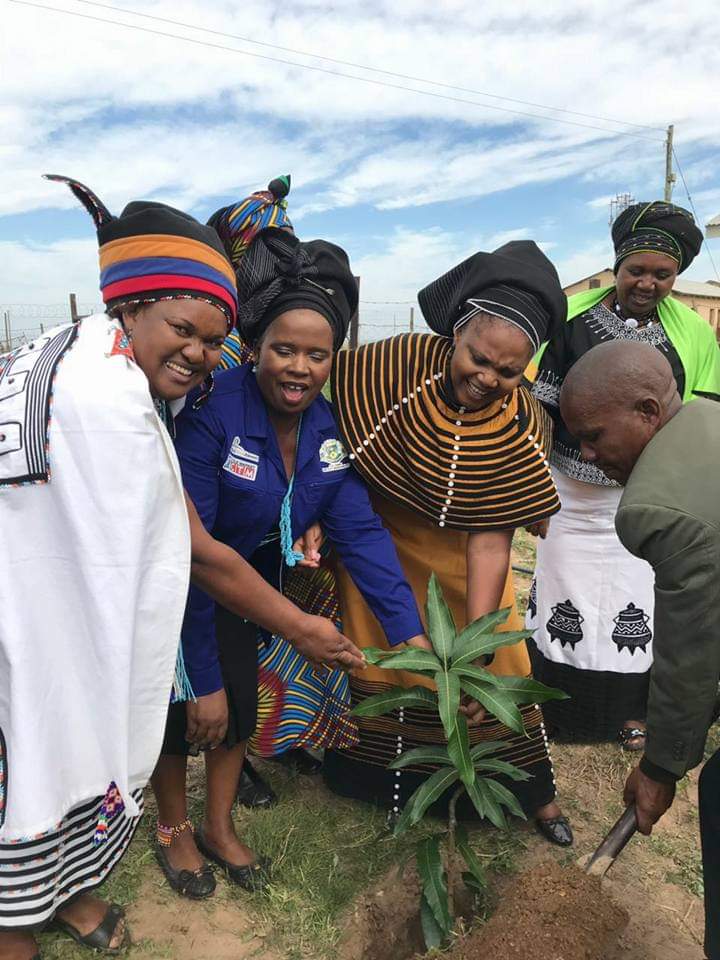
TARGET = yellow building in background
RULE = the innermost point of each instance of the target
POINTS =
(703, 298)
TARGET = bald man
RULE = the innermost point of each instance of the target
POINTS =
(620, 401)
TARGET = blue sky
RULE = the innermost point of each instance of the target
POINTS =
(407, 183)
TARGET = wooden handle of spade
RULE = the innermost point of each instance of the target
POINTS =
(613, 844)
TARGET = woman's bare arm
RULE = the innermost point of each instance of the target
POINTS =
(230, 580)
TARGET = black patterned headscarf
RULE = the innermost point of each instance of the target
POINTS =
(516, 282)
(279, 272)
(657, 227)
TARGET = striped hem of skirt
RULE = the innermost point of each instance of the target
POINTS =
(37, 876)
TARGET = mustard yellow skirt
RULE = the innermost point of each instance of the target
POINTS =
(361, 771)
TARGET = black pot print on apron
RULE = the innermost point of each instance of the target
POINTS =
(565, 624)
(631, 629)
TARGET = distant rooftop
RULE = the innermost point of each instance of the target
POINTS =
(691, 288)
(712, 228)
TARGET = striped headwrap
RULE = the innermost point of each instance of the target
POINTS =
(657, 227)
(239, 224)
(154, 252)
(516, 282)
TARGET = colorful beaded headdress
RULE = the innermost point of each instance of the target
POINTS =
(155, 252)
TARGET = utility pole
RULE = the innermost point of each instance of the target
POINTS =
(669, 175)
(8, 344)
(412, 319)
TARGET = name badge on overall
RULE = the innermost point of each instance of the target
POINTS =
(241, 462)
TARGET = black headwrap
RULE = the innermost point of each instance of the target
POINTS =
(279, 272)
(517, 282)
(657, 227)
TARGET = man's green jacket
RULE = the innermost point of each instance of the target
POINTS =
(669, 515)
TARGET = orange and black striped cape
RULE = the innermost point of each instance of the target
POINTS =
(473, 471)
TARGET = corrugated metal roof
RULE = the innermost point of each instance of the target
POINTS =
(696, 288)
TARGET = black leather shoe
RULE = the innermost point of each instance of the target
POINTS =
(253, 791)
(253, 876)
(556, 830)
(194, 884)
(299, 761)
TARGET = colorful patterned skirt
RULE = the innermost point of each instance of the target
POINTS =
(299, 705)
(361, 772)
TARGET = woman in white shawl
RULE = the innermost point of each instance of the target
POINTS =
(95, 568)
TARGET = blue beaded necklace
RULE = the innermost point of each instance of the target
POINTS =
(290, 556)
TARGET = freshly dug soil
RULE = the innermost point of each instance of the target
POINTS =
(548, 913)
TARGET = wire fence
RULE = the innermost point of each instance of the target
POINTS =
(23, 322)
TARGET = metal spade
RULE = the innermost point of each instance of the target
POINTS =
(597, 864)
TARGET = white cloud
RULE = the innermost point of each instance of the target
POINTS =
(144, 113)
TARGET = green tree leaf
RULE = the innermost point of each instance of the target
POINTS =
(477, 673)
(432, 876)
(414, 659)
(493, 810)
(470, 648)
(496, 702)
(471, 859)
(375, 654)
(488, 622)
(472, 883)
(505, 797)
(526, 690)
(394, 698)
(435, 755)
(476, 797)
(441, 626)
(501, 766)
(459, 750)
(425, 795)
(448, 689)
(488, 746)
(432, 934)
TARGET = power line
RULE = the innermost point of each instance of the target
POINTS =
(334, 73)
(362, 66)
(697, 219)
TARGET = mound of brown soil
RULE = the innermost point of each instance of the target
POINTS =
(548, 913)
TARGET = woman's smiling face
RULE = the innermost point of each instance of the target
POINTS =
(176, 343)
(488, 361)
(642, 281)
(294, 357)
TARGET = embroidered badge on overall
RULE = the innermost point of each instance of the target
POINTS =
(241, 462)
(334, 455)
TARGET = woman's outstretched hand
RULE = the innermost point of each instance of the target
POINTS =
(319, 640)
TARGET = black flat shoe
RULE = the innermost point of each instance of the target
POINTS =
(253, 876)
(252, 790)
(299, 761)
(100, 937)
(556, 830)
(194, 884)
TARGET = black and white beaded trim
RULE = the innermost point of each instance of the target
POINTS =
(449, 492)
